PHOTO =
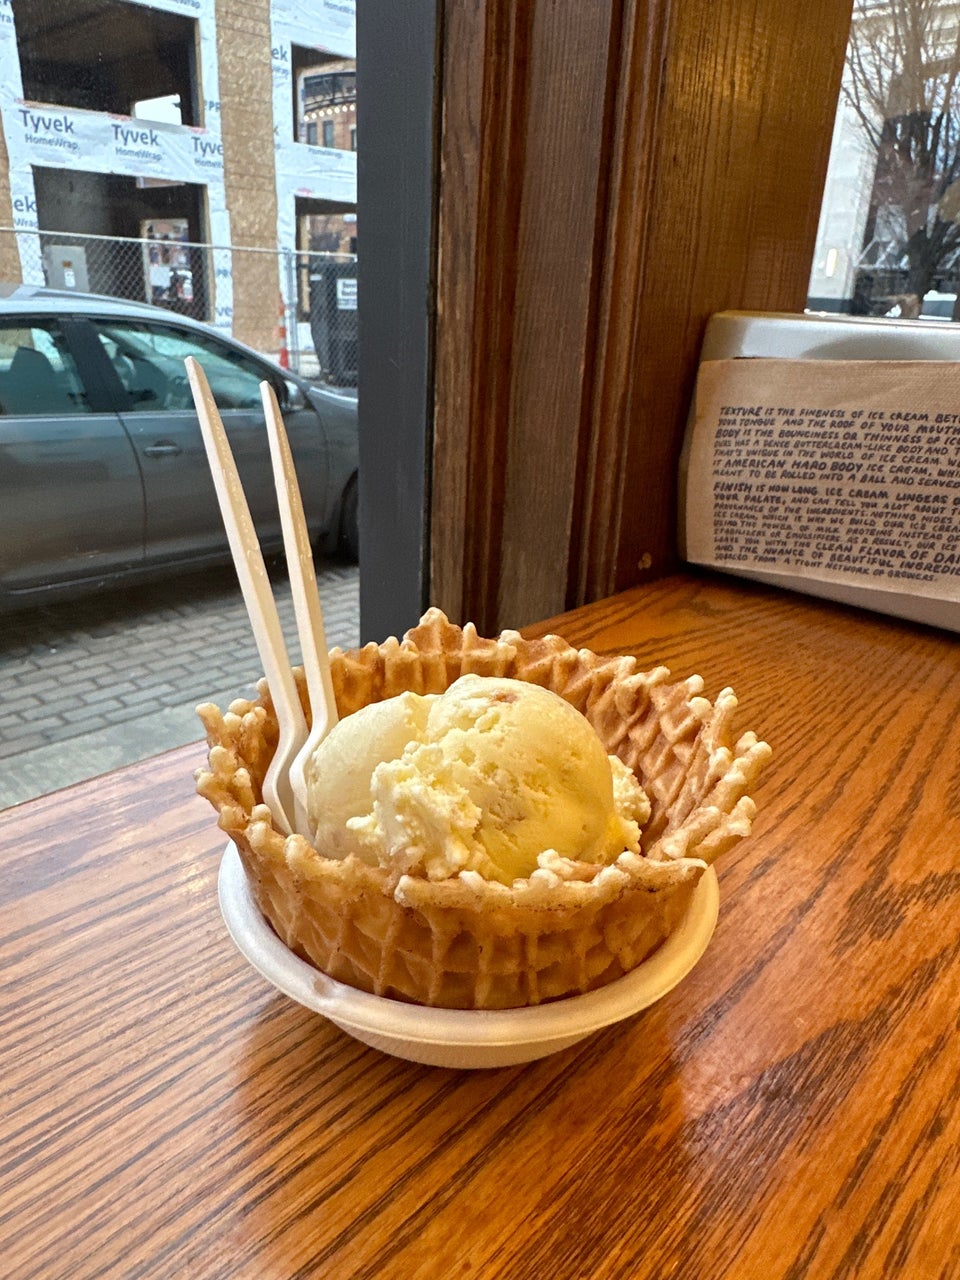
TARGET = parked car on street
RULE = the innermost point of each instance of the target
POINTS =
(103, 474)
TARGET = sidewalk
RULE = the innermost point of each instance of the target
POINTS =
(98, 683)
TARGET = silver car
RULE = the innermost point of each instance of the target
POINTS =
(103, 474)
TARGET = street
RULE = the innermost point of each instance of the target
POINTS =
(100, 682)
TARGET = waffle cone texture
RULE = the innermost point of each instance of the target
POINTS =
(466, 942)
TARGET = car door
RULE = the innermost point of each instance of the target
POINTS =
(182, 516)
(71, 497)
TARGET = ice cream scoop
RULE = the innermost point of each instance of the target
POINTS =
(339, 774)
(490, 776)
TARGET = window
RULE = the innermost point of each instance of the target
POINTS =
(108, 55)
(37, 372)
(324, 97)
(889, 236)
(149, 360)
(84, 508)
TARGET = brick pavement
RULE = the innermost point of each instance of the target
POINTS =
(100, 682)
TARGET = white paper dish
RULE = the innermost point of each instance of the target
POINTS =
(463, 1038)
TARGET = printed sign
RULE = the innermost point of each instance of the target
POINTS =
(829, 475)
(346, 295)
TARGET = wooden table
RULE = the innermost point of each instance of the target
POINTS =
(791, 1110)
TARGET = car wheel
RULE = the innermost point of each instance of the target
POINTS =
(348, 542)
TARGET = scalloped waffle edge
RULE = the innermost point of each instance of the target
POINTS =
(467, 942)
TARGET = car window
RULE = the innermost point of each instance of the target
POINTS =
(149, 361)
(37, 372)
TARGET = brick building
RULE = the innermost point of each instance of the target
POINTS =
(221, 123)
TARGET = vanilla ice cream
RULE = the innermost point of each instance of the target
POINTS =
(338, 777)
(490, 776)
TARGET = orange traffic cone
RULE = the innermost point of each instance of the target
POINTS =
(283, 359)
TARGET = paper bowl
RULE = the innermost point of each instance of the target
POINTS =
(463, 1038)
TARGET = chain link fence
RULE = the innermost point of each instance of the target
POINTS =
(311, 329)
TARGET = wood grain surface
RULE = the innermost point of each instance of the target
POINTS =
(611, 174)
(791, 1110)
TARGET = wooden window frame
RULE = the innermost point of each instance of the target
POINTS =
(398, 108)
(603, 177)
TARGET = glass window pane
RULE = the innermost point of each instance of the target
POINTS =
(889, 236)
(37, 373)
(149, 360)
(152, 168)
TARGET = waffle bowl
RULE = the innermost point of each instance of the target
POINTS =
(465, 943)
(463, 1038)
